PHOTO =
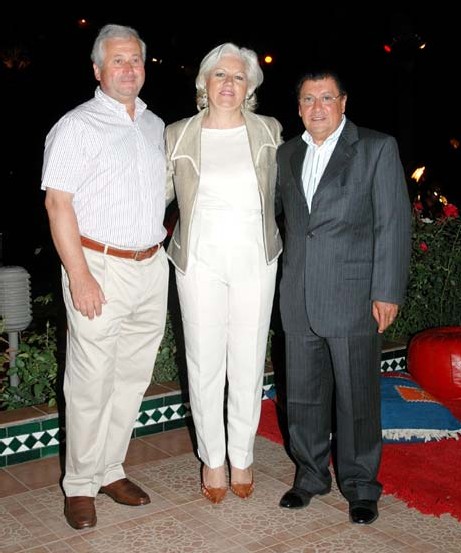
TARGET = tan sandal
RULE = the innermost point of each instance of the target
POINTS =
(243, 489)
(213, 494)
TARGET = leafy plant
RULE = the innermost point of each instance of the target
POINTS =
(35, 365)
(434, 286)
(166, 368)
(36, 360)
(269, 346)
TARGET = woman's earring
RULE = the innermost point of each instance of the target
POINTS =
(247, 99)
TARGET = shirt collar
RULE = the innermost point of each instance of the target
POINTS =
(118, 106)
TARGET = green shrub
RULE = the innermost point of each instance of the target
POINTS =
(35, 365)
(166, 368)
(434, 285)
(36, 361)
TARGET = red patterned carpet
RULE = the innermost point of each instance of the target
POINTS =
(426, 475)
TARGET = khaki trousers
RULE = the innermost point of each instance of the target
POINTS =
(109, 363)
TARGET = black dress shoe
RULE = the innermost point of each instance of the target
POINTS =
(296, 499)
(363, 511)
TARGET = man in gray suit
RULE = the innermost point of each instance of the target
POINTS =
(346, 255)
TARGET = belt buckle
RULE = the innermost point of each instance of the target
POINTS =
(140, 255)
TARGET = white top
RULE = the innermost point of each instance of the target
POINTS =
(227, 176)
(115, 168)
(317, 158)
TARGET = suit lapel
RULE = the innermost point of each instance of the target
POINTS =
(258, 138)
(188, 142)
(341, 156)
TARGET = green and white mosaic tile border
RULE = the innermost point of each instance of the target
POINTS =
(39, 438)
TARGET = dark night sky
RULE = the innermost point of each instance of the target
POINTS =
(388, 92)
(408, 93)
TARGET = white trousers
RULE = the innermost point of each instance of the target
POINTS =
(109, 363)
(226, 301)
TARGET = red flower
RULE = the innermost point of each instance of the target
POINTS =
(450, 210)
(423, 247)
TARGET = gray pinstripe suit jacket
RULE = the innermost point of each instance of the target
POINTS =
(354, 246)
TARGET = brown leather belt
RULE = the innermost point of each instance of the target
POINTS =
(137, 255)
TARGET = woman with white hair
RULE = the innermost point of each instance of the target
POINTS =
(225, 245)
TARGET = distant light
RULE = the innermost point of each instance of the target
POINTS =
(82, 22)
(15, 58)
(418, 173)
(404, 44)
(268, 59)
(156, 60)
(454, 143)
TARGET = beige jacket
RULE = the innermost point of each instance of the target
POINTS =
(183, 174)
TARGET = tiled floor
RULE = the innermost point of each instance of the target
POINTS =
(180, 520)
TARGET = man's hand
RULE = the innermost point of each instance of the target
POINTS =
(87, 296)
(384, 314)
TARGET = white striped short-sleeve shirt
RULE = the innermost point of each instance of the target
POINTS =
(114, 167)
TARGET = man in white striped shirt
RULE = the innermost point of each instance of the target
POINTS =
(104, 176)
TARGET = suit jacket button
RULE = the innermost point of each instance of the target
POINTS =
(310, 235)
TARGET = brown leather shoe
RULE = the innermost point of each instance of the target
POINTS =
(126, 492)
(80, 512)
